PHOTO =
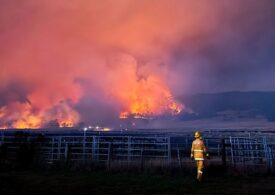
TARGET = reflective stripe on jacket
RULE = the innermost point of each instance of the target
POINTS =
(198, 149)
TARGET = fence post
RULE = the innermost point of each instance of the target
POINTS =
(232, 150)
(109, 155)
(268, 155)
(169, 149)
(94, 148)
(129, 149)
(59, 147)
(142, 158)
(186, 143)
(2, 138)
(223, 153)
(84, 146)
(179, 159)
(66, 152)
(271, 158)
(52, 154)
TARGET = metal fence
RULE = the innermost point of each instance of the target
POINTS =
(106, 148)
(253, 150)
(91, 148)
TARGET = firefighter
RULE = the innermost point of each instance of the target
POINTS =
(198, 152)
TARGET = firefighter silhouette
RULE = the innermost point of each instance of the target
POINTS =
(198, 152)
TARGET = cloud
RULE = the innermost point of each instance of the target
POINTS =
(92, 54)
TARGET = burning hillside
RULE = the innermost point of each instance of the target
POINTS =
(64, 63)
(135, 91)
(24, 115)
(150, 97)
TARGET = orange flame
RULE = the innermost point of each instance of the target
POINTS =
(23, 116)
(149, 97)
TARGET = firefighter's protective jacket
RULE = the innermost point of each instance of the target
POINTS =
(198, 149)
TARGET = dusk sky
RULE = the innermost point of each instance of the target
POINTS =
(75, 60)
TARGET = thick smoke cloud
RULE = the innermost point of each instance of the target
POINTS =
(13, 92)
(79, 59)
(236, 55)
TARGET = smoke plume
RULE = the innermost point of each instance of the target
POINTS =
(78, 60)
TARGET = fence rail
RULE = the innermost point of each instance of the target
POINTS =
(251, 151)
(255, 150)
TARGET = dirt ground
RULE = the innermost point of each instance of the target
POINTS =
(103, 182)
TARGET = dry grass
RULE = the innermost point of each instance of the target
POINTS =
(108, 182)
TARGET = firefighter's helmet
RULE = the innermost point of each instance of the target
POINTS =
(197, 134)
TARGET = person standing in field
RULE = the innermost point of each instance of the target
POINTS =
(198, 152)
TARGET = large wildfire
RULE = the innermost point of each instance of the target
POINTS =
(67, 62)
(146, 98)
(24, 115)
(149, 98)
(136, 97)
(138, 93)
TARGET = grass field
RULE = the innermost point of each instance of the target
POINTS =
(103, 182)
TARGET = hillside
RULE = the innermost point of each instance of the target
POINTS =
(230, 105)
